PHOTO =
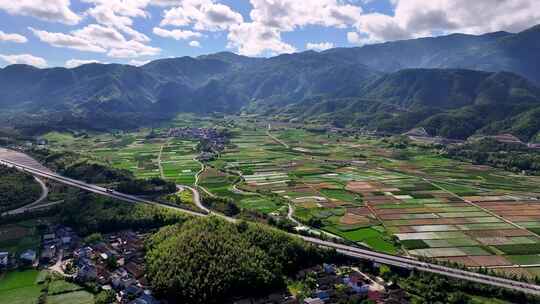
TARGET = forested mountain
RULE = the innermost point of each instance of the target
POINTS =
(499, 51)
(433, 82)
(446, 102)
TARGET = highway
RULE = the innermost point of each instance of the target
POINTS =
(351, 251)
(91, 188)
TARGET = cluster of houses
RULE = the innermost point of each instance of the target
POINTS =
(337, 285)
(213, 139)
(212, 134)
(115, 263)
(54, 241)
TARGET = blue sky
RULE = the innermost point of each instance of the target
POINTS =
(48, 33)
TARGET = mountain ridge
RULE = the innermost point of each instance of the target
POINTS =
(428, 76)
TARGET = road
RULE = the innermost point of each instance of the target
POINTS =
(35, 204)
(350, 251)
(89, 187)
(279, 141)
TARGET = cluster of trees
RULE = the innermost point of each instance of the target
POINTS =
(434, 288)
(80, 167)
(16, 189)
(153, 186)
(221, 204)
(89, 213)
(207, 260)
(511, 157)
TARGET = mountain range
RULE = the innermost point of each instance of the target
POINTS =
(453, 86)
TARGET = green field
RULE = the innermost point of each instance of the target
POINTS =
(75, 297)
(19, 287)
(386, 195)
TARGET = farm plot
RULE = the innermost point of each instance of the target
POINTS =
(139, 157)
(19, 287)
(177, 162)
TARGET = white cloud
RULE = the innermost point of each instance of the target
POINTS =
(319, 46)
(138, 62)
(97, 38)
(67, 41)
(5, 37)
(73, 63)
(203, 15)
(119, 14)
(176, 34)
(195, 43)
(48, 10)
(353, 38)
(272, 17)
(253, 39)
(288, 15)
(166, 2)
(24, 59)
(417, 18)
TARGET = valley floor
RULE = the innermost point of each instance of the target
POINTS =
(389, 196)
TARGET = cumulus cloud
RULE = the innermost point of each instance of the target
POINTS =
(5, 37)
(24, 59)
(288, 15)
(138, 62)
(353, 37)
(119, 14)
(166, 2)
(417, 18)
(176, 34)
(252, 39)
(67, 41)
(73, 63)
(195, 43)
(48, 10)
(319, 46)
(97, 38)
(272, 17)
(202, 15)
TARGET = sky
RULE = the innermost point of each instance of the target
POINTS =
(68, 33)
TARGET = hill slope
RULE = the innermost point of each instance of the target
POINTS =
(449, 103)
(399, 84)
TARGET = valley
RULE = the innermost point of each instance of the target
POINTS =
(384, 193)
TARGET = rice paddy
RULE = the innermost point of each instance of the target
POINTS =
(356, 188)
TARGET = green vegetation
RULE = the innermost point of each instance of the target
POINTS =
(511, 157)
(431, 288)
(208, 260)
(16, 189)
(20, 236)
(93, 171)
(100, 214)
(19, 287)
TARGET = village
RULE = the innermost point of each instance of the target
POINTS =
(115, 262)
(211, 140)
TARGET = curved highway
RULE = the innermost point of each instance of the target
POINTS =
(351, 251)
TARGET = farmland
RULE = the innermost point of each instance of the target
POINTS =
(382, 193)
(411, 200)
(19, 287)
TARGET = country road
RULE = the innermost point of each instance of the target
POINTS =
(351, 251)
(35, 204)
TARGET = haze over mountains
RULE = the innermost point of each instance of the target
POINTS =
(454, 86)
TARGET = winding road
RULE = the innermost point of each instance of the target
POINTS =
(35, 204)
(351, 251)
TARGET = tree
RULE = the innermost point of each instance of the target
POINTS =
(206, 260)
(93, 239)
(105, 297)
